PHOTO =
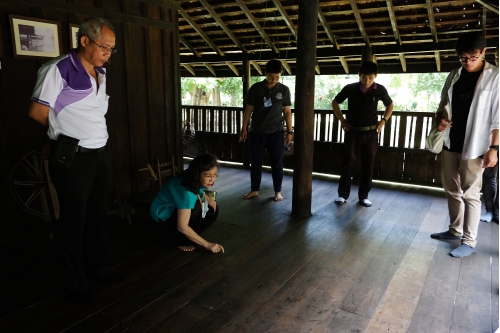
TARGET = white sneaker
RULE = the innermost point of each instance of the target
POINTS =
(365, 202)
(486, 217)
(339, 201)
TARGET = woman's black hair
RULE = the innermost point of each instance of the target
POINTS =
(470, 42)
(191, 176)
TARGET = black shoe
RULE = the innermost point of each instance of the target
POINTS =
(111, 277)
(445, 235)
(83, 296)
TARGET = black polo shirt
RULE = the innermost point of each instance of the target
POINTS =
(267, 119)
(361, 105)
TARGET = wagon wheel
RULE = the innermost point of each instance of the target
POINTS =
(31, 187)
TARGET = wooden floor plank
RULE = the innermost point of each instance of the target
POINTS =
(401, 297)
(473, 306)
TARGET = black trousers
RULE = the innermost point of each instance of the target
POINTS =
(274, 144)
(364, 145)
(196, 222)
(490, 190)
(83, 192)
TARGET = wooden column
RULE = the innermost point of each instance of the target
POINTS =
(246, 86)
(304, 108)
(367, 54)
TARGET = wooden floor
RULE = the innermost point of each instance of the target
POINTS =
(345, 269)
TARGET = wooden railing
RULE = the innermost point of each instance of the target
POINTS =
(401, 158)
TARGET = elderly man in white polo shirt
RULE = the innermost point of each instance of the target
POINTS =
(70, 100)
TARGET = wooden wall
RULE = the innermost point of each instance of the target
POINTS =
(143, 119)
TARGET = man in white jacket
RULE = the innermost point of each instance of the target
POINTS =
(470, 122)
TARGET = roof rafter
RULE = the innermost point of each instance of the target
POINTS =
(344, 64)
(437, 55)
(210, 68)
(394, 21)
(189, 46)
(359, 21)
(256, 65)
(190, 69)
(223, 26)
(233, 68)
(487, 5)
(256, 24)
(201, 32)
(287, 66)
(326, 26)
(318, 70)
(287, 18)
(483, 23)
(403, 61)
(432, 22)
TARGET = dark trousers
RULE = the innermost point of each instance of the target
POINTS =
(196, 222)
(274, 144)
(490, 190)
(358, 144)
(83, 192)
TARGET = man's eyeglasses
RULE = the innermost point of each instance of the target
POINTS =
(104, 49)
(471, 59)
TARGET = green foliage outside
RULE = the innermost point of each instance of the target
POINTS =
(409, 92)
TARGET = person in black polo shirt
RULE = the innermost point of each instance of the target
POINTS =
(361, 129)
(268, 102)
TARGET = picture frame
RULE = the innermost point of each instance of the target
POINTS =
(33, 37)
(73, 35)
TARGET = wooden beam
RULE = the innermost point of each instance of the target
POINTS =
(432, 22)
(403, 61)
(287, 66)
(304, 108)
(190, 69)
(359, 21)
(201, 32)
(375, 59)
(437, 55)
(394, 21)
(256, 65)
(189, 46)
(233, 68)
(256, 24)
(491, 7)
(317, 69)
(211, 69)
(344, 64)
(286, 17)
(328, 30)
(223, 26)
(326, 53)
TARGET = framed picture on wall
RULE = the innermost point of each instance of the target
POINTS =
(73, 35)
(35, 37)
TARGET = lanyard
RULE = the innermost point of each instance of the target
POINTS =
(199, 198)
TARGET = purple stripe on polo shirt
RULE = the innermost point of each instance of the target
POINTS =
(39, 101)
(69, 96)
(374, 86)
(77, 84)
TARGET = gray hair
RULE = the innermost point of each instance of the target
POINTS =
(91, 28)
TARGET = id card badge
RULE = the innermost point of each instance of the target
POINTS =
(204, 208)
(267, 102)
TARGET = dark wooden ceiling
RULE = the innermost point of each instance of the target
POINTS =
(405, 35)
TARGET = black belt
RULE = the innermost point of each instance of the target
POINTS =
(366, 128)
(80, 149)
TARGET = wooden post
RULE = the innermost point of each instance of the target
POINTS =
(304, 108)
(246, 86)
(367, 54)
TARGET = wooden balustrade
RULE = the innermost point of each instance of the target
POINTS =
(401, 157)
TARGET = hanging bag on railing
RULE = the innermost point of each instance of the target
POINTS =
(435, 140)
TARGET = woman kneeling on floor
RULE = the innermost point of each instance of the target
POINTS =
(182, 209)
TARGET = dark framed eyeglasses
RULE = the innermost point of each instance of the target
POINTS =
(104, 49)
(471, 59)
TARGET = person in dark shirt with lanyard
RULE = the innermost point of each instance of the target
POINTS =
(361, 129)
(468, 115)
(267, 102)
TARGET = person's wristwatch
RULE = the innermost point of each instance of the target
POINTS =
(494, 147)
(291, 133)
